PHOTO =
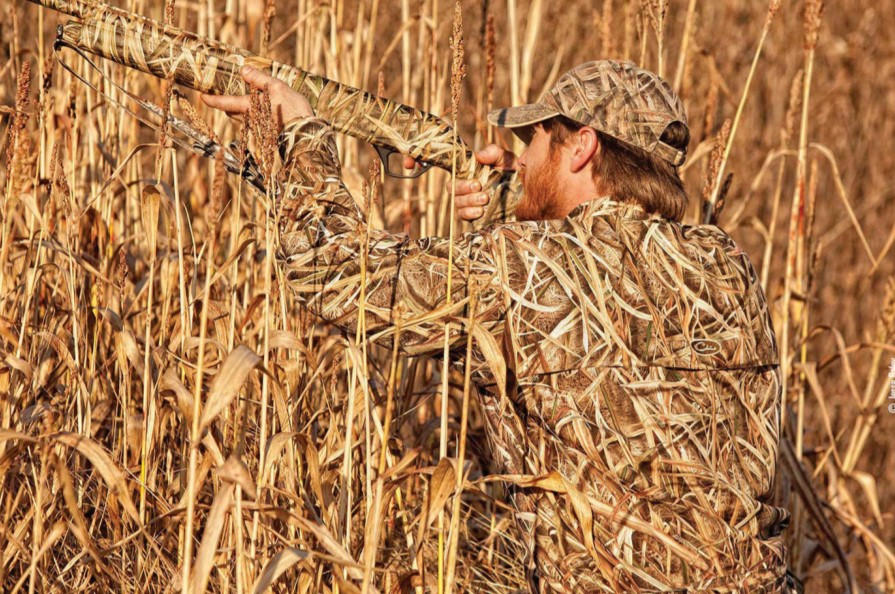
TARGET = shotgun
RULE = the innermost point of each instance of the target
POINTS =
(213, 67)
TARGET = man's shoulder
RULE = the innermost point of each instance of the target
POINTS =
(662, 292)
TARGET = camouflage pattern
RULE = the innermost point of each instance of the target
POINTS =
(212, 67)
(617, 98)
(626, 365)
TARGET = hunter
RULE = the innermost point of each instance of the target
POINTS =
(635, 397)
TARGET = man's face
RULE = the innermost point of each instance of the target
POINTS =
(539, 170)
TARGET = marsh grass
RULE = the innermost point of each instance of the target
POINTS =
(170, 420)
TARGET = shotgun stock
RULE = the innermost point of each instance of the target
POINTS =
(212, 67)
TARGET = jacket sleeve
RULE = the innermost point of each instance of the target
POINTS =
(328, 254)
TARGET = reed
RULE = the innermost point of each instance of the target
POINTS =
(169, 418)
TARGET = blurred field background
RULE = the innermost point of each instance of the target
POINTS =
(131, 281)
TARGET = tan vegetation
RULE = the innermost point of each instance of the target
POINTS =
(170, 420)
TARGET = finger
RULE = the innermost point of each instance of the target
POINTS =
(471, 213)
(496, 157)
(256, 77)
(467, 187)
(232, 104)
(466, 200)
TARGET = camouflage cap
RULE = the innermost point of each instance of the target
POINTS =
(617, 98)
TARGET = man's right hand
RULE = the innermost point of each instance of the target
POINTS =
(469, 200)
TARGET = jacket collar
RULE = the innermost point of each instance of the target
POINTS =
(607, 206)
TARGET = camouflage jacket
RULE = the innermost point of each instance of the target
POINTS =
(626, 365)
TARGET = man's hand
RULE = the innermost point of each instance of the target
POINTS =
(285, 103)
(469, 199)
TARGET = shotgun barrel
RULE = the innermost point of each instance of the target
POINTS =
(212, 67)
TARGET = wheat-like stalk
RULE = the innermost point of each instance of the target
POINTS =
(171, 419)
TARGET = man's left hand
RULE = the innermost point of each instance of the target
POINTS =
(286, 104)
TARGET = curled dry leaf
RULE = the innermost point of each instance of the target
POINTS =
(13, 362)
(171, 383)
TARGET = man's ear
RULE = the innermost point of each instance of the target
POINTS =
(585, 147)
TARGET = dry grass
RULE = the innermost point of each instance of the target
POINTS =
(169, 417)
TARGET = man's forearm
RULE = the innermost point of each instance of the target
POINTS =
(328, 253)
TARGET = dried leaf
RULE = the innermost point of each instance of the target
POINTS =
(108, 470)
(868, 484)
(78, 522)
(7, 435)
(235, 471)
(214, 525)
(493, 355)
(171, 383)
(127, 350)
(150, 198)
(227, 383)
(277, 566)
(444, 482)
(21, 365)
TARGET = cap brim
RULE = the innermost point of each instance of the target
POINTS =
(522, 116)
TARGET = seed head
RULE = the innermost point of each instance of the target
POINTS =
(458, 64)
(19, 120)
(711, 177)
(773, 8)
(262, 130)
(792, 110)
(814, 10)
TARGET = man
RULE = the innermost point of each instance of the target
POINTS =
(628, 368)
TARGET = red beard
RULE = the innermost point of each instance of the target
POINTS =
(541, 193)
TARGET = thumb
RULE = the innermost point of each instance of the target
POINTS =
(255, 76)
(496, 157)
